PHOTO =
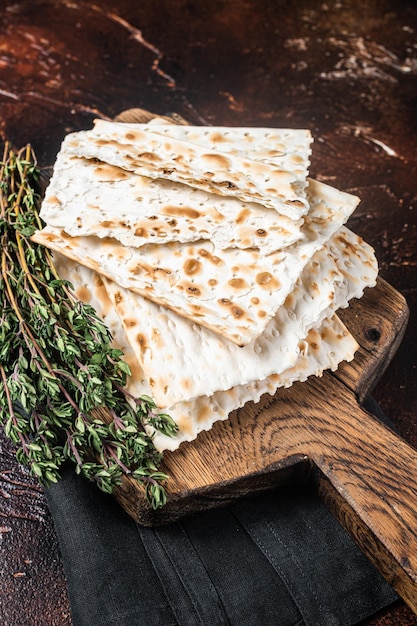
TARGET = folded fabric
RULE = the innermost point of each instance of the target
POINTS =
(276, 559)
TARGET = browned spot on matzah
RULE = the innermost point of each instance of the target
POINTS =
(265, 279)
(193, 290)
(83, 293)
(141, 339)
(296, 203)
(290, 301)
(238, 283)
(242, 216)
(210, 257)
(148, 156)
(350, 247)
(236, 311)
(186, 383)
(54, 200)
(192, 266)
(182, 211)
(203, 413)
(220, 161)
(110, 172)
(217, 138)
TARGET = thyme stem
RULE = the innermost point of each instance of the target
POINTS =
(59, 374)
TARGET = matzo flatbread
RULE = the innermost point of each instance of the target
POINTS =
(280, 147)
(148, 153)
(88, 287)
(85, 197)
(323, 349)
(233, 292)
(168, 346)
(183, 360)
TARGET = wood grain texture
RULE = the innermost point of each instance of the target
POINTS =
(316, 431)
(260, 441)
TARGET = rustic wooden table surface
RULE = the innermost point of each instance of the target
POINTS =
(347, 70)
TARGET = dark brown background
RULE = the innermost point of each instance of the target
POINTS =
(347, 70)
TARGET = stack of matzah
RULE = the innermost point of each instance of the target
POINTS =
(215, 261)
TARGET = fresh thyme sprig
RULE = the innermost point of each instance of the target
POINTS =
(62, 384)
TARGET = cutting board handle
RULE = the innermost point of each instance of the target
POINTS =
(367, 477)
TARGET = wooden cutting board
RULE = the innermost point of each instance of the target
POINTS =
(316, 431)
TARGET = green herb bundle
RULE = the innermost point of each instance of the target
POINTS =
(62, 384)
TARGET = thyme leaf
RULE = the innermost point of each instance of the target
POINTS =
(62, 384)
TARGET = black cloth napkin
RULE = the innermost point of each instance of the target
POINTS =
(276, 559)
